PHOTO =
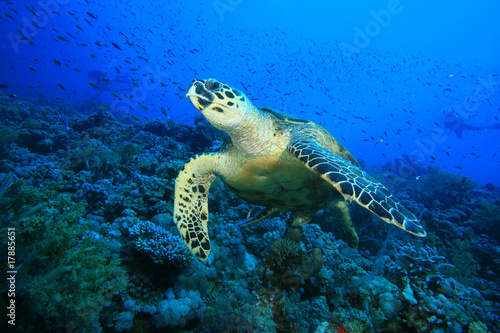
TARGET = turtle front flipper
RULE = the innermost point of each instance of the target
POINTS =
(191, 202)
(354, 184)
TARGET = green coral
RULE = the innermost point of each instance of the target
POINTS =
(66, 273)
(128, 151)
(285, 248)
(92, 154)
(77, 286)
(448, 189)
(231, 313)
(170, 169)
(7, 135)
(460, 254)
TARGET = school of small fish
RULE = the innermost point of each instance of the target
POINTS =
(381, 105)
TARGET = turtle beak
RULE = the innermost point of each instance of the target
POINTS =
(199, 95)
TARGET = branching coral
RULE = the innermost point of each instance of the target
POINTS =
(159, 244)
(424, 263)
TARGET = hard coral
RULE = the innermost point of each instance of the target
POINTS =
(419, 264)
(159, 244)
(288, 267)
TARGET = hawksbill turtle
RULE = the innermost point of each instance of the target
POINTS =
(282, 163)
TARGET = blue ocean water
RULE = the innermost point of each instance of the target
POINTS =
(96, 126)
(350, 67)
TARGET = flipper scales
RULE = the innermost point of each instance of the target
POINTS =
(355, 185)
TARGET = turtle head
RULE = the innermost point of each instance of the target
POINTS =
(224, 107)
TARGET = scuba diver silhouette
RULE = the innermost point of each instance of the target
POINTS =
(105, 82)
(457, 124)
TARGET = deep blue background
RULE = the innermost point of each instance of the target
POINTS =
(381, 91)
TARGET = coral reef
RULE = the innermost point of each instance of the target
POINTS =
(97, 249)
(159, 244)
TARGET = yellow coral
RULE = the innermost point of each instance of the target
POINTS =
(285, 248)
(478, 327)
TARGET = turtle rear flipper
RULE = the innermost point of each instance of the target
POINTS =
(191, 202)
(344, 229)
(264, 214)
(354, 184)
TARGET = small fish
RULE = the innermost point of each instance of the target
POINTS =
(57, 62)
(164, 111)
(60, 86)
(62, 38)
(5, 183)
(2, 85)
(458, 167)
(92, 15)
(135, 118)
(64, 121)
(116, 46)
(93, 85)
(32, 11)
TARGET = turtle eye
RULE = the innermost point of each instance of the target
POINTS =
(213, 85)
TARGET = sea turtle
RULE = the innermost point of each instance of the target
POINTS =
(277, 161)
